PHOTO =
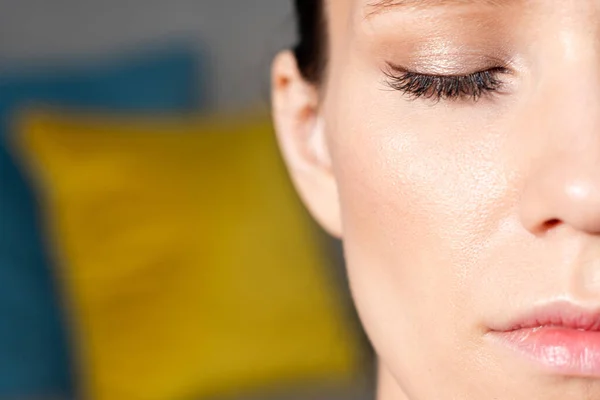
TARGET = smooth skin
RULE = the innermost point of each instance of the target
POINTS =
(456, 215)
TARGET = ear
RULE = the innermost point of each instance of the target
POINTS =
(301, 135)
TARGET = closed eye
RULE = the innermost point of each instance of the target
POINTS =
(444, 87)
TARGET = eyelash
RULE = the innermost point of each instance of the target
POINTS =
(444, 87)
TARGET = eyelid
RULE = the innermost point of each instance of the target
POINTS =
(444, 87)
(496, 68)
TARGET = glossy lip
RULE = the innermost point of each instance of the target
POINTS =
(559, 337)
(563, 314)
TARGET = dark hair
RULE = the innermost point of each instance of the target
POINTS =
(311, 48)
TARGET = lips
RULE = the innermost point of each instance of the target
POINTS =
(561, 338)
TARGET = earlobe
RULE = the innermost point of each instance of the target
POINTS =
(301, 133)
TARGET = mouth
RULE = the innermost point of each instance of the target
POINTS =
(560, 337)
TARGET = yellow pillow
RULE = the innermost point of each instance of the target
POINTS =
(190, 266)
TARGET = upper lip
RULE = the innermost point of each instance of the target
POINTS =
(561, 314)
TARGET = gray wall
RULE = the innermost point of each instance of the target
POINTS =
(239, 36)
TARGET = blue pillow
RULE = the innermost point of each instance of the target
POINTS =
(35, 355)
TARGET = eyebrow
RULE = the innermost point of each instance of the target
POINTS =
(382, 6)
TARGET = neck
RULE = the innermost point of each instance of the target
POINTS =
(387, 386)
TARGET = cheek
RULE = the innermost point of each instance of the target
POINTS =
(421, 204)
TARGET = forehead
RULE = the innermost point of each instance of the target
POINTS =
(375, 7)
(343, 15)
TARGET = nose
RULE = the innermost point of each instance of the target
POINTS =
(562, 185)
(565, 192)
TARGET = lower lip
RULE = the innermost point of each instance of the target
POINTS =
(562, 350)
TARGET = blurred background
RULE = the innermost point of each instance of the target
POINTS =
(151, 244)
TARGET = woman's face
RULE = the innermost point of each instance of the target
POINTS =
(454, 147)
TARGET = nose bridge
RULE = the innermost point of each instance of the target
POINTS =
(570, 82)
(563, 183)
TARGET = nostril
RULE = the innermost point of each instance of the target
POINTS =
(548, 225)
